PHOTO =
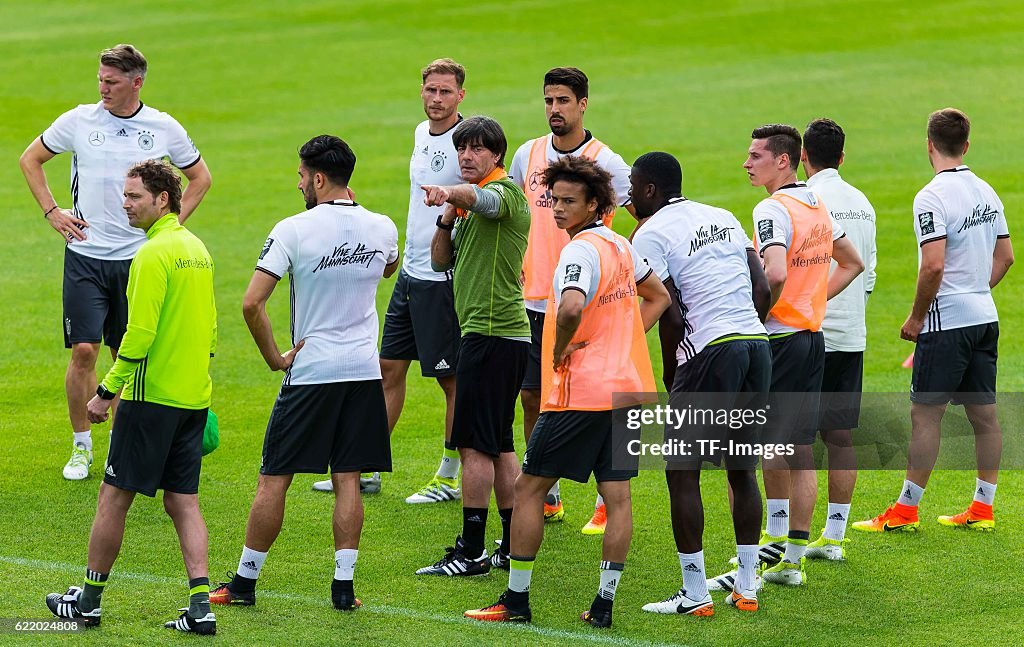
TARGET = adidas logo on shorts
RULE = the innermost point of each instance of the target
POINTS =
(110, 472)
(441, 366)
(781, 514)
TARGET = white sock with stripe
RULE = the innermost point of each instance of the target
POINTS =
(345, 563)
(835, 522)
(778, 517)
(984, 492)
(694, 579)
(250, 563)
(911, 494)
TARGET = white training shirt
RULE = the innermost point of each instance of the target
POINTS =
(105, 146)
(335, 255)
(434, 161)
(606, 159)
(962, 208)
(703, 250)
(844, 325)
(579, 264)
(773, 226)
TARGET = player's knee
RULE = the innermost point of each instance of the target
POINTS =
(83, 356)
(177, 505)
(393, 371)
(447, 385)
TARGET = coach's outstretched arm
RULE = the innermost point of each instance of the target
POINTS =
(849, 266)
(254, 309)
(63, 221)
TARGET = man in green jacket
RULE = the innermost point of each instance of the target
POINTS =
(482, 236)
(162, 371)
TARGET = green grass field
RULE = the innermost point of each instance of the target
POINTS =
(253, 80)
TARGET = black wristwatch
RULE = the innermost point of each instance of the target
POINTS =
(441, 225)
(104, 394)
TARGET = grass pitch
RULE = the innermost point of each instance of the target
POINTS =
(253, 80)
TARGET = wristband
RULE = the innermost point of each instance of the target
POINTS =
(441, 225)
(48, 211)
(104, 394)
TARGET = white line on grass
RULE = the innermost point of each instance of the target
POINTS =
(376, 608)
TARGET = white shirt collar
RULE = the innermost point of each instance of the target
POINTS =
(821, 176)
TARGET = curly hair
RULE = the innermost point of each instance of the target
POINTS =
(596, 181)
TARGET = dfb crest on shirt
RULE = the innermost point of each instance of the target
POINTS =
(266, 247)
(765, 230)
(437, 163)
(146, 140)
(572, 273)
(927, 222)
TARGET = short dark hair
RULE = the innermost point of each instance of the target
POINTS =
(125, 58)
(596, 181)
(158, 177)
(781, 139)
(483, 131)
(446, 66)
(331, 156)
(573, 77)
(824, 141)
(948, 131)
(663, 170)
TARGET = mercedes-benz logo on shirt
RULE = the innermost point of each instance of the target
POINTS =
(146, 141)
(96, 138)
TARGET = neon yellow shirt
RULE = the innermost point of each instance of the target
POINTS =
(172, 321)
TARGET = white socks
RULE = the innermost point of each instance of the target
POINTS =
(250, 563)
(555, 491)
(345, 563)
(984, 492)
(835, 522)
(84, 437)
(911, 494)
(694, 580)
(746, 568)
(778, 517)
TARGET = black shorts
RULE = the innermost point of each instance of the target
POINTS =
(531, 382)
(95, 300)
(574, 445)
(841, 386)
(798, 366)
(487, 386)
(420, 324)
(956, 365)
(732, 376)
(342, 426)
(155, 447)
